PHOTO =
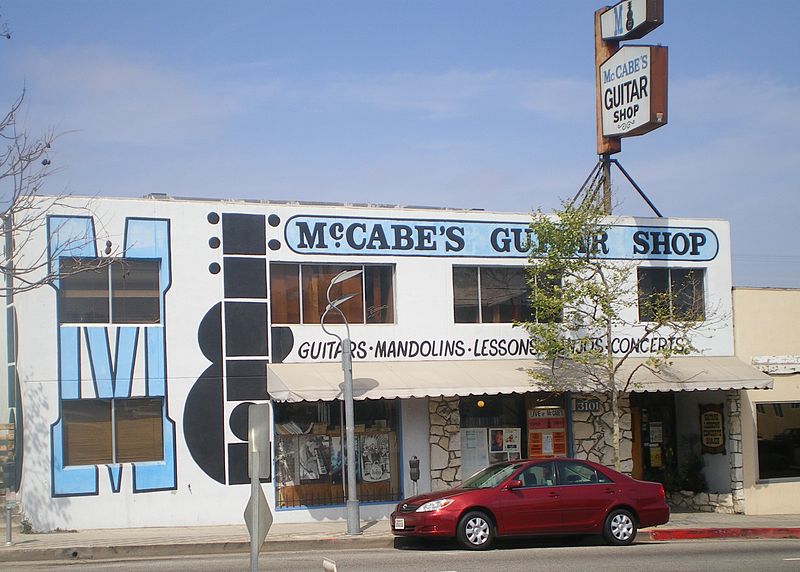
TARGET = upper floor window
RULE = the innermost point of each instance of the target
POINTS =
(122, 291)
(673, 293)
(101, 431)
(490, 294)
(298, 293)
(495, 294)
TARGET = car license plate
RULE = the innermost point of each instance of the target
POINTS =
(399, 523)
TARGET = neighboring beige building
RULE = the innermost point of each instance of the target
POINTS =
(767, 335)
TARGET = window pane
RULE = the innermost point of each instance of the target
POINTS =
(87, 431)
(139, 429)
(379, 294)
(504, 295)
(541, 475)
(688, 301)
(570, 473)
(549, 285)
(778, 426)
(135, 295)
(284, 283)
(653, 292)
(465, 294)
(83, 291)
(316, 278)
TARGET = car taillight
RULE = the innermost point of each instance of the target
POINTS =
(661, 492)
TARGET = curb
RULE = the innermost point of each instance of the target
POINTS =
(700, 533)
(87, 553)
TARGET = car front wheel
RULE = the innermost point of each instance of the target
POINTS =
(475, 531)
(620, 527)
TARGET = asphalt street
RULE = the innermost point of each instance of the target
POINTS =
(722, 555)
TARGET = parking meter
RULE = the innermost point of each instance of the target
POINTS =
(413, 464)
(413, 472)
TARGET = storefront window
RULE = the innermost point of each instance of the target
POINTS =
(299, 293)
(498, 428)
(778, 427)
(309, 459)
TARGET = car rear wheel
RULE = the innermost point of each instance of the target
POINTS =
(475, 531)
(620, 527)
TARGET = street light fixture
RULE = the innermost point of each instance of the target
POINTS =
(353, 516)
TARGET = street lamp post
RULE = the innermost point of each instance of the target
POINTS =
(353, 517)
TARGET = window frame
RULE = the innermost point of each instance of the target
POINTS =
(644, 313)
(528, 313)
(760, 408)
(114, 458)
(107, 267)
(333, 317)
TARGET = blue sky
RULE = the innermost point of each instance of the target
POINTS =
(444, 103)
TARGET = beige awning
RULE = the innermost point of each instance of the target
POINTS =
(695, 373)
(375, 380)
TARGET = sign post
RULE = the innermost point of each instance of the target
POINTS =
(626, 20)
(257, 515)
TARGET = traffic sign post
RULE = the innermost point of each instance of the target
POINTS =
(257, 514)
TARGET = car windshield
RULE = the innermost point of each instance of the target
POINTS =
(490, 476)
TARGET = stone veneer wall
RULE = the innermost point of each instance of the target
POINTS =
(733, 404)
(593, 434)
(702, 502)
(445, 441)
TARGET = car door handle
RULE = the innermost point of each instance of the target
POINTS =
(610, 491)
(553, 495)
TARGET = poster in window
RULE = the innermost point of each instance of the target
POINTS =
(286, 459)
(547, 443)
(375, 457)
(547, 435)
(656, 460)
(712, 429)
(336, 460)
(314, 456)
(656, 430)
(474, 450)
(496, 441)
(511, 439)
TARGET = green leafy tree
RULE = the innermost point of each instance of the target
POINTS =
(581, 301)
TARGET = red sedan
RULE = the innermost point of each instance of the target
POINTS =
(520, 498)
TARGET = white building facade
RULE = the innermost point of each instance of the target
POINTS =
(134, 370)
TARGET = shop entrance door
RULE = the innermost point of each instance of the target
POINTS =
(654, 440)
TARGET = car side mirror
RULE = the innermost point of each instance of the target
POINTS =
(514, 484)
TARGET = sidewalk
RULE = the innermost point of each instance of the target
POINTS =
(158, 542)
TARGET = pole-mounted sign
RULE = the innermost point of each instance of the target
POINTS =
(631, 80)
(631, 19)
(634, 91)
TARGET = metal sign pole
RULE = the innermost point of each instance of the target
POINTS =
(255, 485)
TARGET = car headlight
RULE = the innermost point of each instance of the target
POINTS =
(435, 505)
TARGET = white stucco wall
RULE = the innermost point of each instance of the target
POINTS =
(423, 309)
(716, 468)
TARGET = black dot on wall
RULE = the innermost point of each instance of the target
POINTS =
(213, 242)
(213, 218)
(214, 268)
(274, 244)
(274, 220)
